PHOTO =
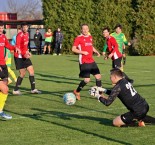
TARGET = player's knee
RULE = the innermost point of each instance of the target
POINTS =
(87, 80)
(115, 123)
(5, 89)
(98, 77)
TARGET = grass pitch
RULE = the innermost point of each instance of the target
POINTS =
(44, 119)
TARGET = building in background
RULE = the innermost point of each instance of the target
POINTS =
(4, 16)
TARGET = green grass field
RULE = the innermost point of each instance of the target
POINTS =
(44, 119)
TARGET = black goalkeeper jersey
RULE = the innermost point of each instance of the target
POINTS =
(127, 94)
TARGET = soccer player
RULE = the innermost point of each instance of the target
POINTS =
(133, 101)
(121, 41)
(23, 62)
(114, 52)
(83, 45)
(48, 40)
(4, 72)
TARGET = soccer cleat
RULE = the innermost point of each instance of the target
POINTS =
(54, 54)
(16, 92)
(5, 116)
(60, 54)
(35, 91)
(77, 95)
(141, 124)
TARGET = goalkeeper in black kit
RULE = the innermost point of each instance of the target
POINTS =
(124, 90)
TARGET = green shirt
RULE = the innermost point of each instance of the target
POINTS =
(120, 39)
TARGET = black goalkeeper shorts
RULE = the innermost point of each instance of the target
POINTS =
(128, 117)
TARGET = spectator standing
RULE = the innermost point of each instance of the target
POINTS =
(48, 40)
(38, 41)
(58, 41)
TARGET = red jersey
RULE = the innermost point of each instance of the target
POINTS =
(22, 41)
(4, 44)
(84, 43)
(113, 48)
(48, 34)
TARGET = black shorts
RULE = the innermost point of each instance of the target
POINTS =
(47, 43)
(22, 63)
(88, 68)
(117, 63)
(4, 72)
(128, 117)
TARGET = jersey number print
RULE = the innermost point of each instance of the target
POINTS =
(132, 90)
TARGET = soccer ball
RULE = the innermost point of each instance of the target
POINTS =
(69, 99)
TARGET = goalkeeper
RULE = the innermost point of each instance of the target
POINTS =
(124, 90)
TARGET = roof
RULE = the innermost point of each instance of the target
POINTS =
(18, 22)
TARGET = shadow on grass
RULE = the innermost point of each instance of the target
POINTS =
(44, 113)
(55, 94)
(63, 79)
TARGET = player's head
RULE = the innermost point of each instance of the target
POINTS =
(106, 32)
(25, 27)
(59, 29)
(1, 28)
(37, 30)
(118, 28)
(19, 29)
(85, 29)
(49, 30)
(115, 75)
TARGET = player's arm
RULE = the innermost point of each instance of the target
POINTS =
(125, 41)
(112, 96)
(13, 42)
(8, 46)
(95, 51)
(75, 48)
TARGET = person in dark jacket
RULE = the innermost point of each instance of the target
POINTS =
(38, 41)
(58, 42)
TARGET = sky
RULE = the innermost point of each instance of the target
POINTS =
(3, 4)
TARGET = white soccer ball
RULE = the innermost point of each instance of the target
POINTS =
(69, 99)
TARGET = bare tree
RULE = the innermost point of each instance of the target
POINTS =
(31, 9)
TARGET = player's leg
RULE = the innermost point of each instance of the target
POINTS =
(45, 46)
(30, 69)
(3, 97)
(118, 122)
(96, 72)
(117, 64)
(60, 46)
(140, 115)
(11, 72)
(124, 57)
(22, 73)
(84, 73)
(49, 48)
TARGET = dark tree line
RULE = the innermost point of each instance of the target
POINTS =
(136, 16)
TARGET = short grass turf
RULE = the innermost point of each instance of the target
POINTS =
(44, 119)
